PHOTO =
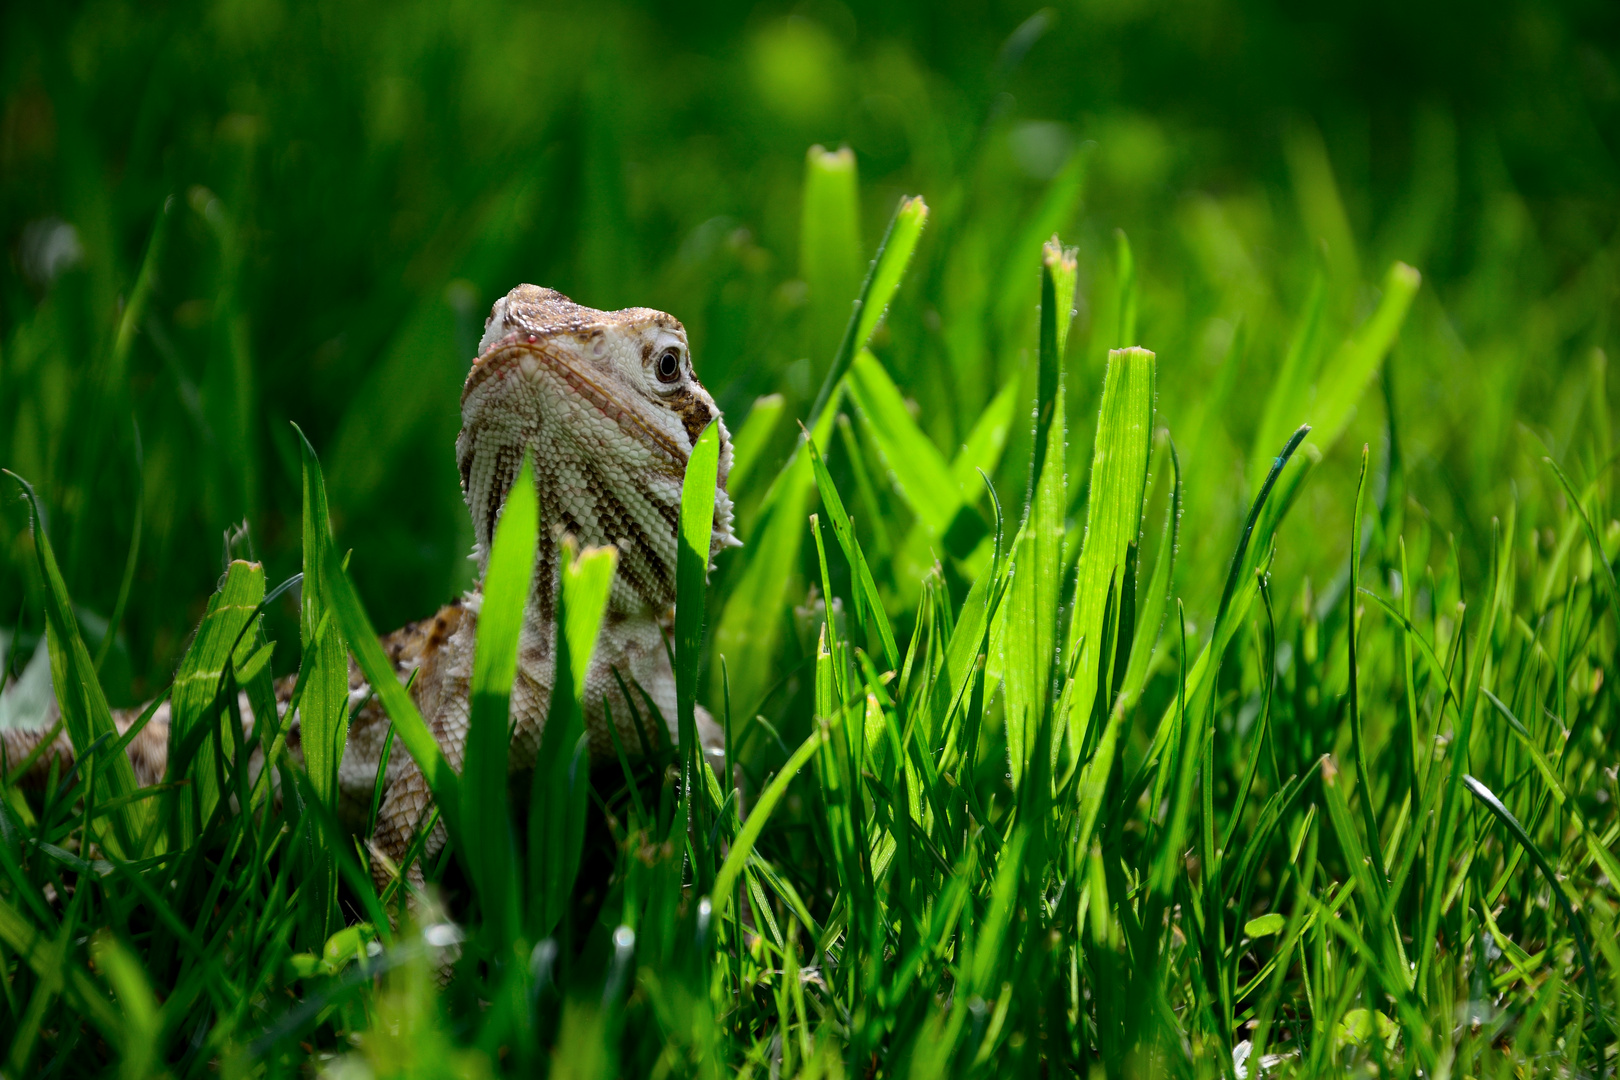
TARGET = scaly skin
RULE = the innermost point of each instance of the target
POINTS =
(609, 407)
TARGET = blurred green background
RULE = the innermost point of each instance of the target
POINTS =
(341, 190)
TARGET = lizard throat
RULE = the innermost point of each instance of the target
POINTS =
(528, 358)
(603, 474)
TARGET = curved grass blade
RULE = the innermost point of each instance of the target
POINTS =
(737, 857)
(1488, 799)
(882, 279)
(85, 712)
(379, 671)
(1600, 561)
(867, 600)
(692, 574)
(196, 696)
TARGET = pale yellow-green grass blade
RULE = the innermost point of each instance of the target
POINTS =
(1119, 467)
(1032, 628)
(198, 715)
(488, 843)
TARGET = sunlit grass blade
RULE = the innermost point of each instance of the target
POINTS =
(749, 441)
(559, 790)
(883, 278)
(488, 842)
(920, 471)
(1119, 468)
(379, 671)
(694, 543)
(1348, 372)
(829, 246)
(1032, 630)
(749, 626)
(195, 698)
(868, 602)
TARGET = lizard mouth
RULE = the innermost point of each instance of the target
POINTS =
(514, 355)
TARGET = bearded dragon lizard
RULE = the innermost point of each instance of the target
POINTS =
(609, 407)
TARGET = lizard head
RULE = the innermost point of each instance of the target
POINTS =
(609, 406)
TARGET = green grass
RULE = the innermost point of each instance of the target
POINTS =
(1182, 642)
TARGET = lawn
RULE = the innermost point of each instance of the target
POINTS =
(1173, 457)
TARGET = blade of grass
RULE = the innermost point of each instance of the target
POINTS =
(488, 844)
(1032, 634)
(726, 880)
(379, 671)
(78, 692)
(695, 542)
(194, 700)
(883, 277)
(868, 601)
(324, 711)
(1119, 469)
(1488, 799)
(558, 794)
(1602, 570)
(1358, 738)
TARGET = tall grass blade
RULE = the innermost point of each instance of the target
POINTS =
(1602, 569)
(324, 709)
(829, 246)
(1032, 632)
(84, 708)
(883, 278)
(1119, 469)
(696, 540)
(488, 843)
(379, 671)
(1488, 799)
(195, 702)
(749, 626)
(868, 601)
(560, 791)
(1358, 737)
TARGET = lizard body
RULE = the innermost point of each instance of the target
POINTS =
(608, 406)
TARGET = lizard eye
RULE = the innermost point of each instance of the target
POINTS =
(669, 366)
